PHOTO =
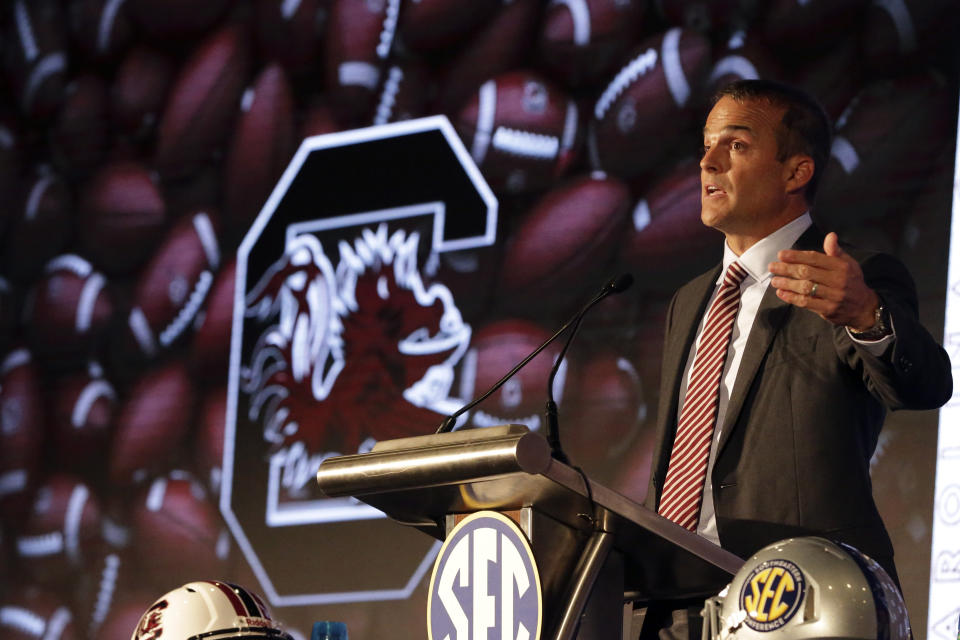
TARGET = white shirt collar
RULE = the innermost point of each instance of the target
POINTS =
(757, 258)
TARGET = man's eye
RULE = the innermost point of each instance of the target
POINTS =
(738, 146)
(703, 150)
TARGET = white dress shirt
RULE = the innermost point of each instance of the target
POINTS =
(755, 261)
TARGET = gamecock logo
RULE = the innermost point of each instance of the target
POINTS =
(346, 332)
(351, 351)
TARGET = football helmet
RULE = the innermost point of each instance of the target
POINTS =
(211, 610)
(807, 588)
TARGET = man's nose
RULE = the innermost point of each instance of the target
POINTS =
(708, 161)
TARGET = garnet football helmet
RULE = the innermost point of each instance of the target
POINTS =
(808, 588)
(211, 610)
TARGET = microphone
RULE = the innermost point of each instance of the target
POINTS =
(550, 415)
(616, 285)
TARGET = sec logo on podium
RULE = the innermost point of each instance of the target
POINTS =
(485, 583)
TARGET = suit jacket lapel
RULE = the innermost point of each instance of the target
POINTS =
(687, 314)
(771, 315)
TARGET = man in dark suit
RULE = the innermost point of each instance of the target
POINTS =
(823, 341)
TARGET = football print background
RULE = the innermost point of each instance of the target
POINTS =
(139, 139)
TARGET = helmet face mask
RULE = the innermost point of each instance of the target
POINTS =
(209, 610)
(807, 588)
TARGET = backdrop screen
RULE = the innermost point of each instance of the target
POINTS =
(179, 349)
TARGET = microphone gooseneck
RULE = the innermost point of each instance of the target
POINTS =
(614, 285)
(551, 417)
(449, 422)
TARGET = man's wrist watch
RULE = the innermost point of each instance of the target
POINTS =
(879, 330)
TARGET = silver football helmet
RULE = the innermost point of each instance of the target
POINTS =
(807, 588)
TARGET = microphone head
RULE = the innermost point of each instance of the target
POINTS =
(620, 283)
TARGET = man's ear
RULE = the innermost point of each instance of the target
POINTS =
(799, 171)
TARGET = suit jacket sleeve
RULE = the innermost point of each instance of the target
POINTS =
(915, 373)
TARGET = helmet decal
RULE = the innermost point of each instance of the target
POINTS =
(151, 623)
(771, 594)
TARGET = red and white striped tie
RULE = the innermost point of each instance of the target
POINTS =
(683, 487)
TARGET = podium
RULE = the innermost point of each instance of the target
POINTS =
(598, 552)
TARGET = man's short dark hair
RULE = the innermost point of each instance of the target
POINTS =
(805, 127)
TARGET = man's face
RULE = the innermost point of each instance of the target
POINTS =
(743, 185)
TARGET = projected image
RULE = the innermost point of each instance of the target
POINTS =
(140, 143)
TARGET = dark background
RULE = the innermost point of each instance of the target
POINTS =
(121, 121)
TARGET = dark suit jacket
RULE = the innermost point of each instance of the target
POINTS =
(804, 413)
